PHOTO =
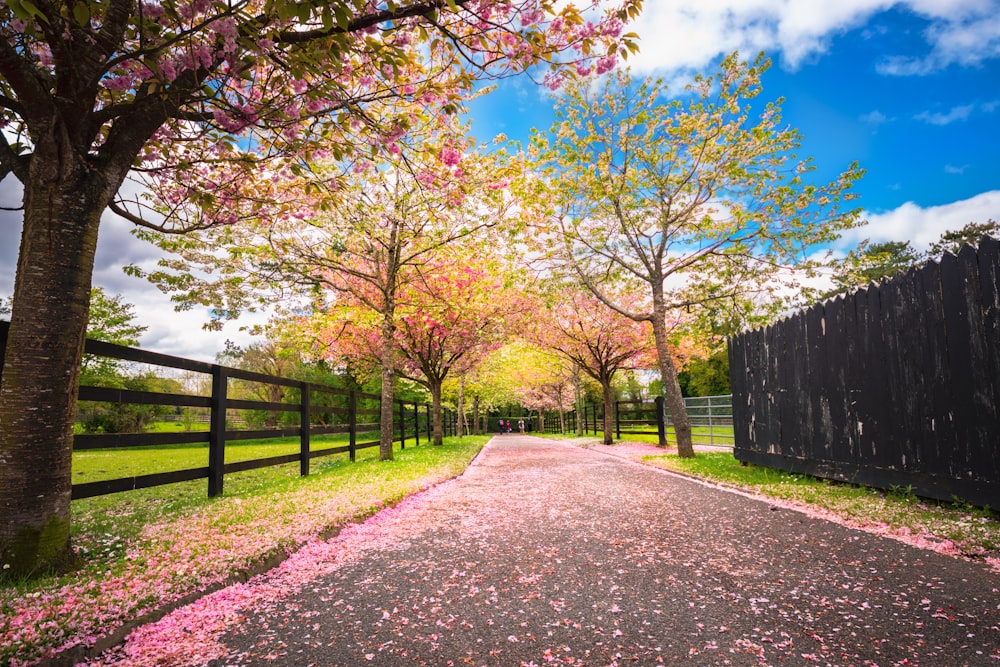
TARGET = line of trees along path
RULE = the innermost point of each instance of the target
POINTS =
(210, 106)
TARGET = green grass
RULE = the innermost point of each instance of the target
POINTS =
(700, 435)
(140, 548)
(104, 525)
(975, 531)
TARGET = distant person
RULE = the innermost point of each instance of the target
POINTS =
(520, 426)
(502, 426)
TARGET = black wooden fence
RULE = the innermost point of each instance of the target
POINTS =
(896, 385)
(353, 419)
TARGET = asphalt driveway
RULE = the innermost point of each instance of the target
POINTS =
(546, 553)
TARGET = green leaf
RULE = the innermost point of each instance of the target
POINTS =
(81, 12)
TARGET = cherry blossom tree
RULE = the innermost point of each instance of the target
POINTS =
(208, 105)
(447, 319)
(598, 340)
(691, 202)
(377, 244)
(457, 313)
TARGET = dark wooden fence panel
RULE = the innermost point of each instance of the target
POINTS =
(896, 385)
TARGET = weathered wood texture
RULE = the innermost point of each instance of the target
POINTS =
(896, 385)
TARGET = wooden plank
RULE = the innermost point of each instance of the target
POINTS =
(959, 361)
(982, 441)
(854, 371)
(989, 297)
(818, 385)
(938, 419)
(911, 337)
(894, 447)
(253, 464)
(835, 404)
(105, 487)
(738, 372)
(768, 430)
(104, 349)
(872, 406)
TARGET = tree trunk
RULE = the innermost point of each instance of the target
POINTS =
(562, 422)
(671, 389)
(609, 427)
(461, 406)
(386, 409)
(38, 389)
(577, 385)
(475, 416)
(435, 388)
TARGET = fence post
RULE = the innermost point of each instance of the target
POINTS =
(402, 425)
(304, 419)
(618, 420)
(430, 426)
(416, 424)
(661, 426)
(711, 429)
(352, 424)
(217, 431)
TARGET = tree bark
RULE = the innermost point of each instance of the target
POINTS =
(386, 409)
(461, 406)
(38, 389)
(435, 388)
(671, 388)
(608, 411)
(475, 416)
(579, 401)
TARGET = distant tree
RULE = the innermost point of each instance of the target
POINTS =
(594, 338)
(112, 320)
(708, 376)
(871, 263)
(691, 201)
(971, 234)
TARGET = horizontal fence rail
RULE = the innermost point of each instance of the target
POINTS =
(356, 414)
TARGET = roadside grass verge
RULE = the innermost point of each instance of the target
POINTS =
(955, 527)
(144, 551)
(719, 436)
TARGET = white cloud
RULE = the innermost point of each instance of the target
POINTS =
(952, 169)
(923, 226)
(689, 36)
(169, 332)
(953, 115)
(965, 38)
(875, 117)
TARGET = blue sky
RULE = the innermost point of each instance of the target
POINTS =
(910, 89)
(911, 92)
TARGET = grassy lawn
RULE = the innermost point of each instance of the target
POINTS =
(99, 464)
(973, 531)
(142, 550)
(719, 435)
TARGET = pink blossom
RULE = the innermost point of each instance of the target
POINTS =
(450, 156)
(118, 83)
(606, 64)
